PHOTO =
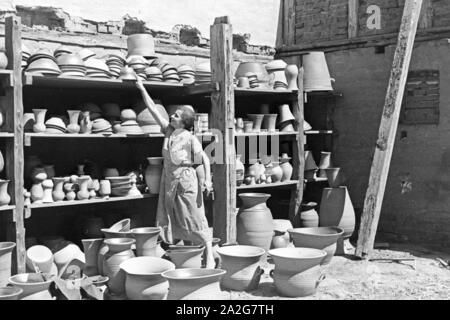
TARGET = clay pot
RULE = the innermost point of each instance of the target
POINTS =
(73, 126)
(186, 258)
(33, 285)
(85, 123)
(40, 257)
(334, 177)
(257, 120)
(3, 60)
(10, 293)
(84, 193)
(254, 221)
(47, 186)
(58, 193)
(243, 82)
(285, 114)
(194, 284)
(146, 241)
(275, 171)
(141, 44)
(291, 72)
(65, 252)
(254, 67)
(240, 170)
(279, 240)
(6, 249)
(310, 164)
(286, 167)
(39, 120)
(105, 188)
(325, 163)
(153, 174)
(91, 248)
(270, 122)
(119, 250)
(144, 280)
(282, 226)
(336, 209)
(242, 264)
(297, 272)
(316, 76)
(248, 126)
(309, 218)
(37, 193)
(322, 238)
(5, 198)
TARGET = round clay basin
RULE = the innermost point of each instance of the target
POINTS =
(10, 293)
(123, 225)
(111, 234)
(297, 259)
(119, 244)
(30, 283)
(241, 251)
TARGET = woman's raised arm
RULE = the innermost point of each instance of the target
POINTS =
(162, 122)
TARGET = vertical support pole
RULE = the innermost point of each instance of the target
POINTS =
(388, 129)
(298, 156)
(289, 22)
(224, 206)
(15, 149)
(353, 8)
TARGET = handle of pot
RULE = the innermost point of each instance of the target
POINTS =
(321, 278)
(333, 80)
(261, 271)
(271, 273)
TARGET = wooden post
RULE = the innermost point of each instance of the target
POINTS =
(286, 24)
(14, 147)
(222, 119)
(353, 7)
(388, 129)
(298, 154)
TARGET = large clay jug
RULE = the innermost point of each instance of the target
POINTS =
(119, 250)
(336, 209)
(194, 284)
(242, 264)
(153, 174)
(254, 221)
(316, 76)
(6, 249)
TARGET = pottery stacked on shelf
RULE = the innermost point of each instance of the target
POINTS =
(325, 163)
(311, 167)
(186, 74)
(5, 198)
(203, 73)
(97, 68)
(145, 119)
(286, 167)
(71, 65)
(257, 120)
(316, 76)
(286, 118)
(120, 186)
(43, 63)
(139, 64)
(270, 122)
(170, 73)
(115, 63)
(129, 125)
(276, 70)
(153, 73)
(55, 125)
(26, 54)
(141, 44)
(254, 73)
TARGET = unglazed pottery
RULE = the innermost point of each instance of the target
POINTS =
(39, 120)
(73, 126)
(6, 249)
(119, 250)
(10, 293)
(153, 175)
(309, 218)
(58, 192)
(91, 249)
(291, 72)
(34, 286)
(5, 198)
(146, 241)
(186, 258)
(316, 76)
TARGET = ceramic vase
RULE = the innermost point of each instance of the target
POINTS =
(243, 266)
(146, 241)
(34, 286)
(91, 248)
(325, 163)
(194, 284)
(58, 193)
(270, 122)
(74, 116)
(309, 218)
(5, 198)
(6, 249)
(254, 221)
(297, 271)
(105, 189)
(291, 72)
(39, 120)
(83, 183)
(85, 123)
(37, 193)
(240, 170)
(279, 240)
(119, 250)
(144, 279)
(153, 176)
(257, 120)
(2, 162)
(286, 167)
(276, 172)
(186, 258)
(47, 186)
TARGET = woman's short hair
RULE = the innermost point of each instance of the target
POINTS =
(187, 117)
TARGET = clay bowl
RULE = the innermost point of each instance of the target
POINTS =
(97, 64)
(276, 65)
(10, 293)
(155, 161)
(118, 179)
(185, 69)
(322, 238)
(31, 284)
(128, 114)
(121, 185)
(69, 60)
(203, 68)
(85, 54)
(297, 259)
(254, 67)
(100, 125)
(43, 64)
(122, 225)
(118, 234)
(186, 258)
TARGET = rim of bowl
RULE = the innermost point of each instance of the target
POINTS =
(13, 281)
(146, 230)
(13, 291)
(257, 251)
(304, 231)
(202, 273)
(7, 245)
(150, 260)
(279, 253)
(119, 241)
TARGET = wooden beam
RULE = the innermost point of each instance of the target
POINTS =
(298, 152)
(222, 119)
(353, 8)
(14, 147)
(388, 129)
(289, 22)
(426, 15)
(280, 28)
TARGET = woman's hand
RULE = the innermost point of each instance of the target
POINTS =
(208, 187)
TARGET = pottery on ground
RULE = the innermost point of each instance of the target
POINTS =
(146, 241)
(39, 257)
(297, 272)
(309, 218)
(322, 238)
(91, 249)
(34, 286)
(186, 258)
(254, 221)
(6, 249)
(10, 293)
(194, 284)
(242, 264)
(144, 280)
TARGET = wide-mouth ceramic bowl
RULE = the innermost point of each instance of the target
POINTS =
(241, 251)
(186, 274)
(98, 64)
(122, 225)
(69, 59)
(155, 161)
(10, 293)
(146, 266)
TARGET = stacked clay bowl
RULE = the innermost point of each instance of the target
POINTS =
(71, 65)
(139, 64)
(186, 74)
(170, 73)
(141, 44)
(96, 68)
(203, 73)
(246, 69)
(115, 64)
(55, 125)
(129, 124)
(153, 73)
(101, 126)
(86, 54)
(120, 186)
(127, 73)
(61, 50)
(43, 63)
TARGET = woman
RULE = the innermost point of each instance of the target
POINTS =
(181, 212)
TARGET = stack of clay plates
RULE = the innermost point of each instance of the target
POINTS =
(131, 128)
(115, 64)
(55, 126)
(154, 74)
(101, 126)
(187, 74)
(61, 50)
(120, 186)
(25, 56)
(253, 79)
(43, 63)
(86, 54)
(203, 73)
(139, 64)
(71, 65)
(170, 73)
(96, 68)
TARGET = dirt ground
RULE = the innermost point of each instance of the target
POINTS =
(347, 279)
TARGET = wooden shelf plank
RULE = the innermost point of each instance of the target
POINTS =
(324, 94)
(316, 132)
(6, 135)
(258, 134)
(241, 92)
(87, 202)
(316, 180)
(271, 185)
(7, 208)
(101, 136)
